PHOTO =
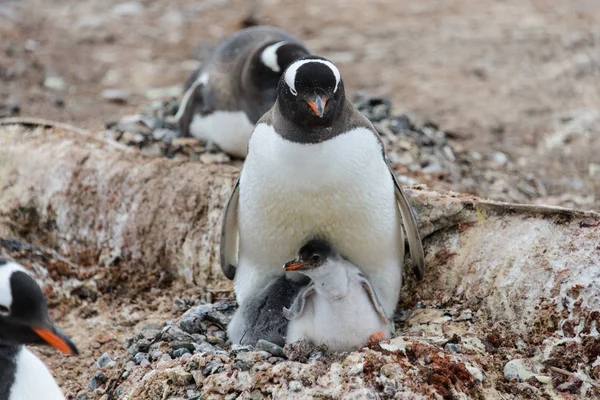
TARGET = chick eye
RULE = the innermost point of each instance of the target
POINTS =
(315, 258)
(4, 310)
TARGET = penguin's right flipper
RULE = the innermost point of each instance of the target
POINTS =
(229, 233)
(297, 307)
(410, 224)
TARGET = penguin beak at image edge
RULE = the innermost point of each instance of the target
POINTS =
(55, 338)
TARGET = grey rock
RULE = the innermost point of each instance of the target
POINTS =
(81, 396)
(299, 350)
(150, 332)
(141, 345)
(238, 348)
(205, 348)
(269, 347)
(171, 333)
(156, 354)
(182, 345)
(199, 338)
(252, 356)
(451, 347)
(212, 367)
(139, 357)
(103, 361)
(192, 321)
(97, 380)
(192, 394)
(180, 352)
(145, 363)
(401, 123)
(128, 8)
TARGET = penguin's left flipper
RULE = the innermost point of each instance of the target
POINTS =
(193, 98)
(373, 296)
(229, 233)
(410, 224)
(297, 307)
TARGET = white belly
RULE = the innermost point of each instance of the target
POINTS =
(342, 325)
(230, 130)
(33, 381)
(340, 190)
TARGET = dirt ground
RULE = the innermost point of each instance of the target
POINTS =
(511, 76)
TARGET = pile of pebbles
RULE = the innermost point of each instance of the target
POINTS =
(422, 154)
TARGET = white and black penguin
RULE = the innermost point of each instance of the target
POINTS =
(24, 320)
(316, 167)
(339, 308)
(235, 86)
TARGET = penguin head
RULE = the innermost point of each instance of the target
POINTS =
(311, 92)
(24, 317)
(313, 254)
(268, 61)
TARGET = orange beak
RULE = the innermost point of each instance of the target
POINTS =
(294, 266)
(57, 340)
(318, 106)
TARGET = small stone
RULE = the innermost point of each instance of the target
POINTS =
(299, 350)
(165, 358)
(179, 377)
(192, 320)
(198, 338)
(465, 315)
(396, 344)
(182, 345)
(543, 379)
(215, 340)
(96, 380)
(500, 158)
(192, 394)
(139, 357)
(180, 352)
(145, 363)
(356, 369)
(150, 332)
(475, 372)
(81, 396)
(269, 347)
(103, 361)
(452, 347)
(517, 369)
(295, 386)
(115, 95)
(205, 348)
(392, 371)
(128, 8)
(380, 112)
(156, 354)
(402, 123)
(129, 365)
(198, 377)
(172, 333)
(252, 356)
(238, 348)
(55, 82)
(212, 367)
(164, 134)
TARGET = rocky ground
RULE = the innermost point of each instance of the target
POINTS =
(497, 99)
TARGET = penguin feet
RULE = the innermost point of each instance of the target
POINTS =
(376, 337)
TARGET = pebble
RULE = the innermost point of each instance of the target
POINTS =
(212, 367)
(171, 333)
(252, 356)
(180, 352)
(500, 158)
(103, 361)
(55, 82)
(517, 369)
(299, 350)
(269, 348)
(294, 386)
(115, 95)
(205, 348)
(139, 357)
(96, 380)
(192, 320)
(129, 8)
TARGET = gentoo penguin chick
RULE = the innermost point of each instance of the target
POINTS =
(261, 317)
(235, 86)
(24, 320)
(316, 167)
(339, 307)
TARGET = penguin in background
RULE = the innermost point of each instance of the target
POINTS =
(24, 320)
(235, 86)
(316, 167)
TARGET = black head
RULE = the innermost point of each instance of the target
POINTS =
(24, 317)
(312, 255)
(269, 60)
(311, 93)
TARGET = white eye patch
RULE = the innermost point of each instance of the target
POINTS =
(290, 73)
(269, 56)
(6, 272)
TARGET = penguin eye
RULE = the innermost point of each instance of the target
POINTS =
(315, 258)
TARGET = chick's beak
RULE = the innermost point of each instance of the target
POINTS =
(318, 105)
(55, 338)
(295, 265)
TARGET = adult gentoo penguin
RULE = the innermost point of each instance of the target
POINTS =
(316, 167)
(339, 307)
(24, 320)
(235, 86)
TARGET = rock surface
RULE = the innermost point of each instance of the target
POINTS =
(504, 282)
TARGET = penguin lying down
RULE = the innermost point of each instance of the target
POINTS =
(24, 320)
(337, 307)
